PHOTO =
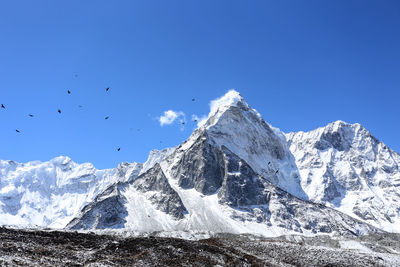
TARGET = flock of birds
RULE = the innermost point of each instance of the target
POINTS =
(80, 106)
(59, 111)
(107, 117)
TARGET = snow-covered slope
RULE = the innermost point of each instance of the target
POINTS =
(51, 194)
(343, 166)
(48, 193)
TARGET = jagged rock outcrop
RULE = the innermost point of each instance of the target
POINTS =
(106, 211)
(241, 185)
(164, 197)
(200, 167)
(110, 209)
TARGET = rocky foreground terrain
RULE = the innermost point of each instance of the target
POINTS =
(65, 248)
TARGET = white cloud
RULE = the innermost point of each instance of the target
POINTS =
(171, 116)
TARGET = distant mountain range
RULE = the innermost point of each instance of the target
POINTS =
(234, 174)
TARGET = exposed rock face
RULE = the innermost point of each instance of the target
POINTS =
(241, 185)
(201, 167)
(343, 166)
(109, 209)
(164, 198)
(106, 211)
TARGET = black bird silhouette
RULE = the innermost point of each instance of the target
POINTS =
(269, 162)
(183, 123)
(17, 131)
(119, 149)
(31, 115)
(59, 111)
(69, 92)
(108, 88)
(193, 99)
(2, 106)
(80, 106)
(106, 118)
(195, 120)
(276, 171)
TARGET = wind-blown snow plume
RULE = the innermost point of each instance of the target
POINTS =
(229, 99)
(219, 104)
(200, 120)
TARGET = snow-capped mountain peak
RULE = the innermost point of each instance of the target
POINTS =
(344, 166)
(220, 105)
(234, 124)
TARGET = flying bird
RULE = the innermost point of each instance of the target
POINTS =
(31, 115)
(193, 99)
(59, 111)
(17, 131)
(119, 149)
(106, 118)
(2, 106)
(80, 106)
(108, 88)
(69, 92)
(276, 171)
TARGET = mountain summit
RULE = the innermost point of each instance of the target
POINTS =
(234, 174)
(345, 167)
(234, 124)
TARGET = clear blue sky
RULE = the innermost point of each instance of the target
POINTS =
(301, 64)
